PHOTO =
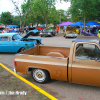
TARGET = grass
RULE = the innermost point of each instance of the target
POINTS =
(1, 69)
(11, 83)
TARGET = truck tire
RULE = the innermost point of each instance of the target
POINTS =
(40, 76)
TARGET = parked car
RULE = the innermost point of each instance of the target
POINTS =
(48, 32)
(34, 32)
(70, 32)
(91, 32)
(14, 42)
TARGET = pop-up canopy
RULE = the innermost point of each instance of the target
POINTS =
(77, 24)
(92, 23)
(65, 23)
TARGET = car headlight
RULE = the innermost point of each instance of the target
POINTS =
(35, 44)
(49, 33)
(40, 33)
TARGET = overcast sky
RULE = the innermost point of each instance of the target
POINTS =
(7, 5)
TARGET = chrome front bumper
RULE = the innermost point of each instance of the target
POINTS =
(15, 70)
(45, 34)
(71, 35)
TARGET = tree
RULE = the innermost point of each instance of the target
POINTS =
(17, 9)
(26, 10)
(97, 10)
(15, 20)
(6, 18)
(54, 16)
(82, 9)
(43, 7)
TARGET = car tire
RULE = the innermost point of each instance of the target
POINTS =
(22, 49)
(40, 75)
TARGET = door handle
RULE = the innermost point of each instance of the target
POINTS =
(76, 61)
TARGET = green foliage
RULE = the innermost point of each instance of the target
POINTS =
(43, 8)
(6, 18)
(16, 20)
(54, 16)
(81, 9)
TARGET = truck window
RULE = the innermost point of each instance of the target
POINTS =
(87, 52)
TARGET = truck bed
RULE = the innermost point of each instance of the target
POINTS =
(48, 51)
(52, 59)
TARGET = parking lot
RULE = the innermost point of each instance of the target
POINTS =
(59, 89)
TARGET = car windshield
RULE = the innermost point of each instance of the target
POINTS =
(17, 36)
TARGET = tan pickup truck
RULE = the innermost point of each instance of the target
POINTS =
(78, 64)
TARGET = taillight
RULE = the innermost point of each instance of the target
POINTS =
(15, 64)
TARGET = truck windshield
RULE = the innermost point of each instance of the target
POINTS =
(17, 37)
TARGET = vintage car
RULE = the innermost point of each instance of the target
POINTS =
(14, 42)
(33, 31)
(91, 32)
(48, 32)
(70, 32)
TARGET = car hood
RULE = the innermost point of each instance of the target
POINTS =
(29, 33)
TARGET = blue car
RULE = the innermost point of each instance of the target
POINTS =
(14, 42)
(33, 31)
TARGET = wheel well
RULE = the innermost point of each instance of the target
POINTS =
(29, 69)
(20, 49)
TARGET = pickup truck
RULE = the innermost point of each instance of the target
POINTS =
(79, 64)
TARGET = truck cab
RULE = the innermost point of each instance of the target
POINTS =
(85, 62)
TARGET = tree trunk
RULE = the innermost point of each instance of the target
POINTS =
(46, 22)
(84, 20)
(37, 24)
(20, 21)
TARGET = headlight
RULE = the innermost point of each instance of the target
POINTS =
(49, 33)
(35, 44)
(40, 33)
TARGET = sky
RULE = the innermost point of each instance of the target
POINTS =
(7, 5)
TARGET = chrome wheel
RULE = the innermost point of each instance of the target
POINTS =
(40, 76)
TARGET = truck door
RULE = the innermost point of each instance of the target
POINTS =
(86, 64)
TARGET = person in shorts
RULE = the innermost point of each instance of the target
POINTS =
(57, 29)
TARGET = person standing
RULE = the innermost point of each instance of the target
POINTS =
(26, 29)
(20, 31)
(13, 31)
(4, 31)
(57, 29)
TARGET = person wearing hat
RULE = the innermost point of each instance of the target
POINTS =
(98, 33)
